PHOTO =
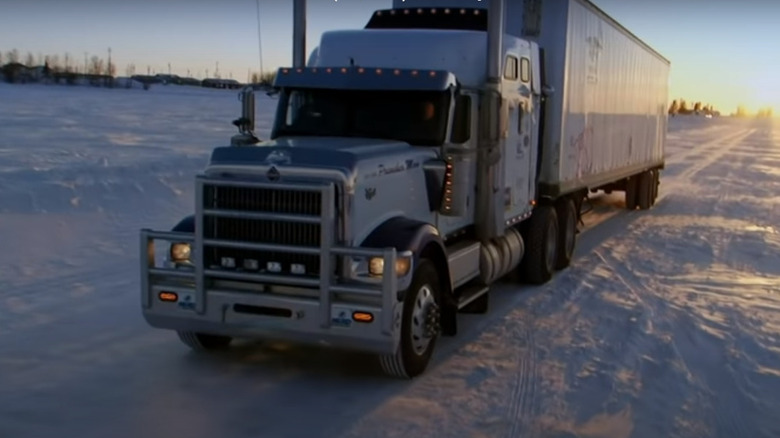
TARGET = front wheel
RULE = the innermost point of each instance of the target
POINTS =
(419, 325)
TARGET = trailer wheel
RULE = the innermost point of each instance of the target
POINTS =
(656, 182)
(644, 190)
(631, 192)
(567, 229)
(203, 341)
(541, 235)
(420, 325)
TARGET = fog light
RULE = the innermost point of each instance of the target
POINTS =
(273, 266)
(298, 269)
(180, 252)
(376, 266)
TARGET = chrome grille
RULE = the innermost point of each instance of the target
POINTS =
(266, 231)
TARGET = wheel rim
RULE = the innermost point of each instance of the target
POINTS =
(424, 315)
(570, 225)
(550, 246)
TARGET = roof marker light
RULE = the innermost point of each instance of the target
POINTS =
(462, 11)
(419, 11)
(433, 11)
(396, 72)
(379, 71)
(361, 70)
(447, 11)
(299, 70)
(343, 69)
(406, 12)
(414, 72)
(432, 74)
(328, 70)
(285, 71)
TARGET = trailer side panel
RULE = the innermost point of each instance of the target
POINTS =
(610, 100)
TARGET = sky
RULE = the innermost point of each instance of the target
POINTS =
(723, 52)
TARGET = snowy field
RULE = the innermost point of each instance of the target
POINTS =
(666, 324)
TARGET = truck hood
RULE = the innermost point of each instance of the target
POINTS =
(345, 154)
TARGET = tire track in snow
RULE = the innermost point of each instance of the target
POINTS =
(523, 395)
(524, 402)
(713, 152)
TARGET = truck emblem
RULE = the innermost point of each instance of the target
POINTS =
(273, 174)
(278, 157)
(370, 192)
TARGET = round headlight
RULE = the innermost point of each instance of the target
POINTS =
(180, 252)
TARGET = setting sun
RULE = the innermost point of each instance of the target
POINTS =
(765, 90)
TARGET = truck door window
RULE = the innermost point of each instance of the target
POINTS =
(525, 70)
(510, 68)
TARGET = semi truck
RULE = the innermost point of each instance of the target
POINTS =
(411, 165)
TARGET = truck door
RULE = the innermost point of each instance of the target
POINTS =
(519, 149)
(529, 119)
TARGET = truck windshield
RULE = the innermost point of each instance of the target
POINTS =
(415, 117)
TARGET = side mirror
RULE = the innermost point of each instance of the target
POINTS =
(461, 121)
(490, 117)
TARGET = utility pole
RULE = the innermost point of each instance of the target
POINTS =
(259, 39)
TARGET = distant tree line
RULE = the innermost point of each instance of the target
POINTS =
(52, 68)
(102, 71)
(681, 106)
(265, 78)
(763, 113)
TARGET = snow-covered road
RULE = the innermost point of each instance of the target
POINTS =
(666, 324)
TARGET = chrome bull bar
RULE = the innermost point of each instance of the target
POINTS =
(153, 271)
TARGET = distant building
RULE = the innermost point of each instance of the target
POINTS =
(221, 83)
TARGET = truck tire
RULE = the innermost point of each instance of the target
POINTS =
(644, 190)
(203, 341)
(631, 185)
(541, 238)
(656, 181)
(567, 231)
(420, 321)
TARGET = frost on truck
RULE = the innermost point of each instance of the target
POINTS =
(398, 185)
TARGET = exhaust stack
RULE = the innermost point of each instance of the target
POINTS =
(299, 33)
(490, 198)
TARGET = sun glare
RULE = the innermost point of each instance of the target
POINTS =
(766, 90)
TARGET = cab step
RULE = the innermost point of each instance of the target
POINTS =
(472, 293)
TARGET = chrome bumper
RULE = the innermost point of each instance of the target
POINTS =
(244, 304)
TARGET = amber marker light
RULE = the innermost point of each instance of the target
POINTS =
(168, 296)
(362, 317)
